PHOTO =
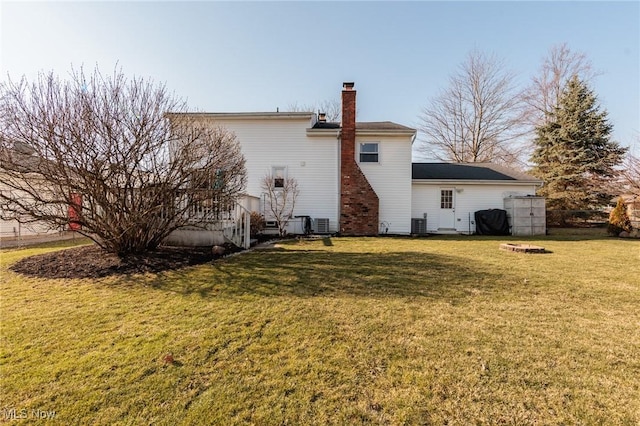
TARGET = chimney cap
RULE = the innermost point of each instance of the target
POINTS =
(348, 85)
(322, 117)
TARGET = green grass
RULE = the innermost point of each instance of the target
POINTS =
(438, 330)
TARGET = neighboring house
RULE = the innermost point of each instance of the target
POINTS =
(11, 229)
(632, 202)
(22, 226)
(357, 177)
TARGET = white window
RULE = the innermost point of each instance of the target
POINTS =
(446, 199)
(369, 152)
(279, 175)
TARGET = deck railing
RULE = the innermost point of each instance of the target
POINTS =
(230, 216)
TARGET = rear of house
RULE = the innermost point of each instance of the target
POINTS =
(447, 196)
(276, 144)
(356, 178)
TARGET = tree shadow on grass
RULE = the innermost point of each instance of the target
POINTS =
(553, 234)
(285, 273)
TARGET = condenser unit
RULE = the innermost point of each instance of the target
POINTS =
(418, 225)
(322, 226)
(271, 224)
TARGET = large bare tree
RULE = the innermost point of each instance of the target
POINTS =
(98, 152)
(477, 118)
(332, 108)
(543, 94)
(631, 171)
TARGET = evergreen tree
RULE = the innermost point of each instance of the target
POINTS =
(574, 154)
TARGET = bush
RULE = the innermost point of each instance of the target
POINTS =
(618, 219)
(576, 218)
(257, 224)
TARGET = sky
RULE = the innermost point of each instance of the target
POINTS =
(263, 56)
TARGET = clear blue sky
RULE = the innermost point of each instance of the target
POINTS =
(242, 56)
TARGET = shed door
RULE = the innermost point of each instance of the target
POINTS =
(447, 218)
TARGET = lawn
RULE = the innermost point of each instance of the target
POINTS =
(437, 330)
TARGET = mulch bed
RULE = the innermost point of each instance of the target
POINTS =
(93, 262)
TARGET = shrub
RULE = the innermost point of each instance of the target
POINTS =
(257, 224)
(618, 219)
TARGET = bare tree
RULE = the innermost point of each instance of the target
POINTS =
(543, 95)
(631, 173)
(281, 195)
(332, 108)
(477, 118)
(99, 151)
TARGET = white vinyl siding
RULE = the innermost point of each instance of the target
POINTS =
(12, 228)
(391, 179)
(469, 198)
(312, 161)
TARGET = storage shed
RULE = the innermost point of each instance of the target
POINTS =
(526, 215)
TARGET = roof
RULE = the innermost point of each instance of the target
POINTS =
(366, 125)
(362, 127)
(326, 125)
(242, 115)
(382, 125)
(468, 172)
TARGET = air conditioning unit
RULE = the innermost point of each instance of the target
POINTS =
(322, 226)
(418, 225)
(271, 224)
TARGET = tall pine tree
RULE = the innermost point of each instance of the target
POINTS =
(574, 154)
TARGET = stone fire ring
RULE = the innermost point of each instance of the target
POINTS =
(522, 248)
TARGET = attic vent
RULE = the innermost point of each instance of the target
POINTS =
(322, 226)
(418, 225)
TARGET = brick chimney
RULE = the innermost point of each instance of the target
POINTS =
(359, 203)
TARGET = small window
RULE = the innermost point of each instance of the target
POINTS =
(446, 199)
(279, 174)
(203, 179)
(219, 180)
(369, 152)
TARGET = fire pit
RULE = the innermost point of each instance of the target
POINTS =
(522, 248)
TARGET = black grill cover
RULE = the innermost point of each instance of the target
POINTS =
(492, 222)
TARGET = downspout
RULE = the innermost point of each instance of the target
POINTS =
(339, 189)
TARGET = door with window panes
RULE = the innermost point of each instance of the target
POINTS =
(447, 218)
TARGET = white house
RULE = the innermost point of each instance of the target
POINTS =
(15, 227)
(358, 176)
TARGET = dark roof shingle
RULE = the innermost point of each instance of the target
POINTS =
(381, 125)
(465, 171)
(366, 125)
(326, 125)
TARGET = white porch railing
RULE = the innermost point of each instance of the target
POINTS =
(238, 231)
(231, 218)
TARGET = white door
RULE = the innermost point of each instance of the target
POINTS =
(447, 218)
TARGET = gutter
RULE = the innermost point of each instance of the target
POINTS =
(537, 183)
(242, 115)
